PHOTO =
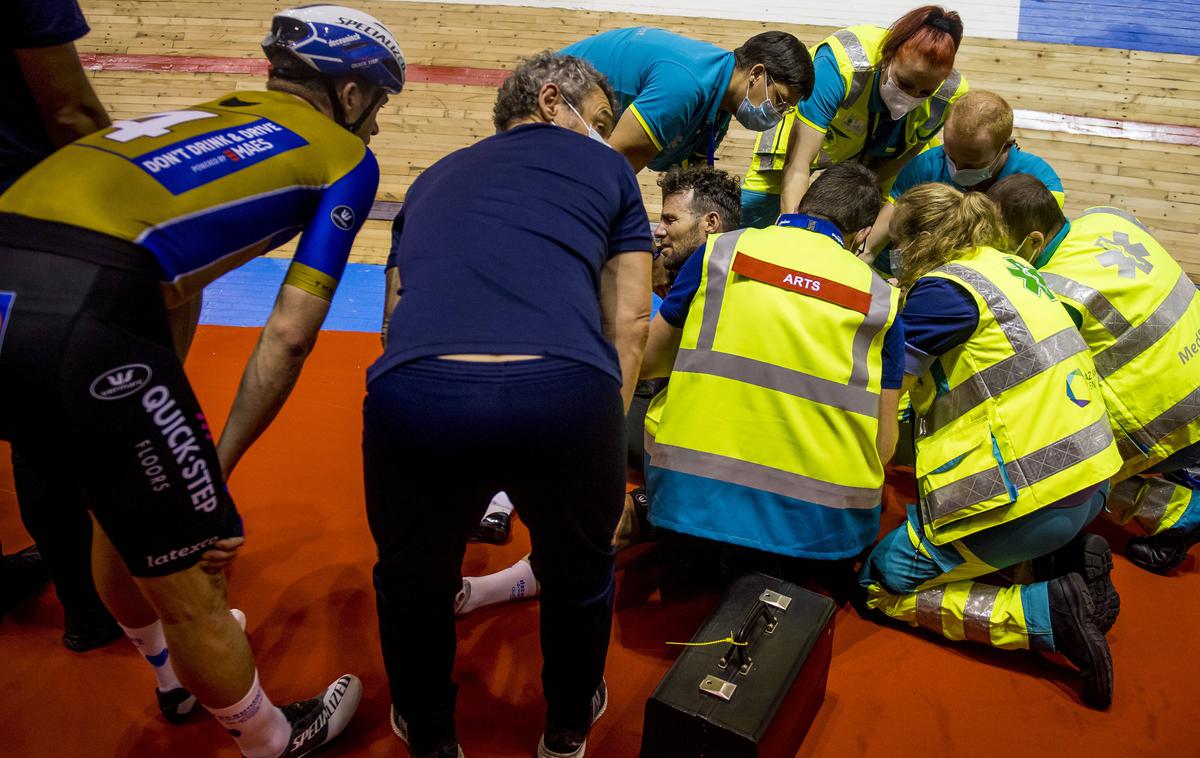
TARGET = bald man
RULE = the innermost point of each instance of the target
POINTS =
(978, 150)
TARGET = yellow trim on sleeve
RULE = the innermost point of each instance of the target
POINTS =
(800, 117)
(1060, 197)
(311, 280)
(633, 109)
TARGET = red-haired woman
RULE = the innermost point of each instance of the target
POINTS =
(880, 96)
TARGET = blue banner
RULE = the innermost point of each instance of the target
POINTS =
(198, 160)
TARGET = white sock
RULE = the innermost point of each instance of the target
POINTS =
(513, 583)
(500, 504)
(152, 644)
(260, 729)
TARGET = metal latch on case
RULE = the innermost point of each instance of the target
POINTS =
(716, 687)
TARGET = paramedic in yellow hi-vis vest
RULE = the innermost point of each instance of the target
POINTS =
(785, 374)
(1140, 316)
(880, 97)
(1014, 450)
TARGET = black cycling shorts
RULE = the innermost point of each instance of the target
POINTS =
(89, 379)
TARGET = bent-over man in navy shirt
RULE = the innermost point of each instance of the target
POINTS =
(519, 294)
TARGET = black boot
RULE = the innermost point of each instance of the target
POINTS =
(1077, 638)
(22, 574)
(1089, 556)
(90, 630)
(1161, 553)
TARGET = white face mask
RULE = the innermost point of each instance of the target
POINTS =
(592, 133)
(899, 103)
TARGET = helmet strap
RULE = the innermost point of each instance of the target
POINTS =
(335, 103)
(339, 113)
(379, 95)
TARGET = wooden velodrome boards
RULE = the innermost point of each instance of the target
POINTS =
(1159, 181)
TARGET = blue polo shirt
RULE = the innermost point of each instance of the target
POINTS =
(673, 85)
(500, 247)
(930, 166)
(885, 136)
(678, 302)
(29, 24)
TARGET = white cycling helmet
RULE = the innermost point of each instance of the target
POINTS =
(332, 41)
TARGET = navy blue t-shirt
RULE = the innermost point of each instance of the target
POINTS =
(500, 245)
(678, 302)
(29, 24)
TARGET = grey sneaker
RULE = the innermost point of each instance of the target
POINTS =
(448, 750)
(564, 743)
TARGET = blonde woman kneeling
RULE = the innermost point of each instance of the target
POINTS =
(1013, 447)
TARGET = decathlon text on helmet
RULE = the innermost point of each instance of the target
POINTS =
(332, 41)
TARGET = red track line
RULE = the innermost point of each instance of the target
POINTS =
(1066, 123)
(485, 77)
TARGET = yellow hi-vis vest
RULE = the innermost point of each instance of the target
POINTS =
(858, 50)
(767, 436)
(1012, 420)
(1141, 321)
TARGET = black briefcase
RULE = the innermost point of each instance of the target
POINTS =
(746, 701)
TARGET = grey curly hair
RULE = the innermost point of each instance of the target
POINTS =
(518, 95)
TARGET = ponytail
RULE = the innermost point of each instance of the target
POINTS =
(930, 31)
(935, 224)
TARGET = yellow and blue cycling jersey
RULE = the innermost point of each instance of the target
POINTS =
(206, 188)
(930, 166)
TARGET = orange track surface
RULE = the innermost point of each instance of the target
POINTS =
(304, 582)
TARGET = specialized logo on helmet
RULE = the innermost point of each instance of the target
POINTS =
(1029, 277)
(374, 33)
(1078, 389)
(342, 217)
(1129, 257)
(121, 381)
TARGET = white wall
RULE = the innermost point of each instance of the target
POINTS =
(981, 18)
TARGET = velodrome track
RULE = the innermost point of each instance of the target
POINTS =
(304, 577)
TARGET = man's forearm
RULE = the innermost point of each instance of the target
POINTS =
(795, 184)
(270, 375)
(631, 345)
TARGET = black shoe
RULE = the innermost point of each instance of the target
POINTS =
(175, 705)
(317, 722)
(495, 528)
(88, 631)
(1077, 638)
(1161, 553)
(563, 743)
(24, 573)
(446, 750)
(1089, 556)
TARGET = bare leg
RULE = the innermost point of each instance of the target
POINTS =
(115, 585)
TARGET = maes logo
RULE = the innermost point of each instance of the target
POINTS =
(121, 381)
(6, 304)
(342, 217)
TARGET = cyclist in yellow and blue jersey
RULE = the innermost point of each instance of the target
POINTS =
(106, 247)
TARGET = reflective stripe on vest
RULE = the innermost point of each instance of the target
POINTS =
(941, 99)
(763, 478)
(863, 68)
(779, 378)
(1094, 300)
(1030, 357)
(1116, 212)
(1133, 342)
(765, 147)
(1022, 472)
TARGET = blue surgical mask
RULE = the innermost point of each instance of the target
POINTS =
(592, 133)
(761, 117)
(969, 177)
